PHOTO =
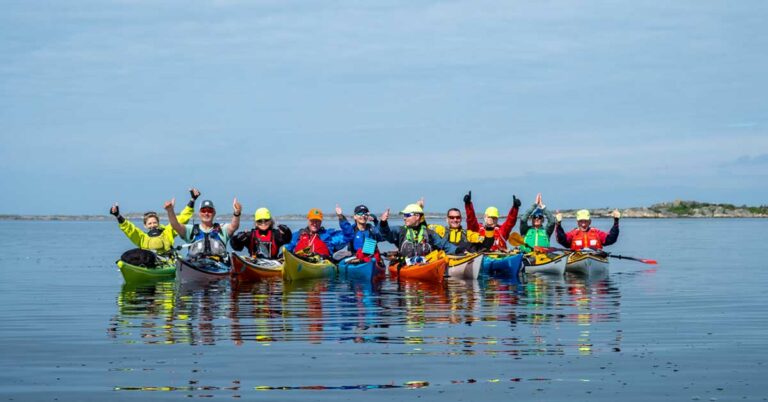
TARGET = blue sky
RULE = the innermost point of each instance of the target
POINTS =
(293, 105)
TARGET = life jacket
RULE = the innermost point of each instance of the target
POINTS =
(589, 239)
(157, 241)
(414, 244)
(207, 244)
(314, 242)
(537, 237)
(263, 245)
(457, 237)
(499, 244)
(357, 246)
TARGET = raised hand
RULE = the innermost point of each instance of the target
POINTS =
(515, 202)
(384, 216)
(194, 193)
(558, 216)
(237, 207)
(538, 200)
(169, 204)
(338, 210)
(468, 197)
(616, 214)
(115, 210)
(421, 202)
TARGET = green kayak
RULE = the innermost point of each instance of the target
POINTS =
(133, 273)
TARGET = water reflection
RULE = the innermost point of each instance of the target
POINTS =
(545, 315)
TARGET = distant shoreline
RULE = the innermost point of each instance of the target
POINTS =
(675, 209)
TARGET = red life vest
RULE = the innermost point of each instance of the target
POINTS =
(499, 244)
(592, 238)
(260, 243)
(313, 241)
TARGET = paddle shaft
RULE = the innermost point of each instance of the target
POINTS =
(605, 253)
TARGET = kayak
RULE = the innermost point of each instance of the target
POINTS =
(201, 269)
(245, 268)
(465, 266)
(431, 271)
(364, 271)
(135, 273)
(586, 263)
(504, 265)
(295, 268)
(545, 263)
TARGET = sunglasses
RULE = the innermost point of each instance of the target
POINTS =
(262, 221)
(454, 217)
(207, 211)
(362, 214)
(410, 215)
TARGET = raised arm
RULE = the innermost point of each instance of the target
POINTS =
(235, 224)
(472, 223)
(131, 231)
(506, 228)
(172, 220)
(613, 234)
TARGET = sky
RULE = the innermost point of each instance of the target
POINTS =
(300, 104)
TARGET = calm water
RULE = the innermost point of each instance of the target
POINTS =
(692, 328)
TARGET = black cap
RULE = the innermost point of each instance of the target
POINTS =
(207, 204)
(361, 209)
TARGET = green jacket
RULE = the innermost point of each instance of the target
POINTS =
(159, 244)
(536, 237)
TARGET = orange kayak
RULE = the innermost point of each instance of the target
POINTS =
(249, 269)
(430, 271)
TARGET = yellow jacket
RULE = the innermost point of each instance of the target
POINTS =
(159, 244)
(457, 235)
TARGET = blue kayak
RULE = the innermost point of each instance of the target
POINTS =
(362, 271)
(506, 266)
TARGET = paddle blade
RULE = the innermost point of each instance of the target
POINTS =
(516, 239)
(646, 261)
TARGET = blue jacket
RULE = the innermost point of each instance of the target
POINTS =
(333, 238)
(357, 237)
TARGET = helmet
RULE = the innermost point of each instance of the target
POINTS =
(582, 215)
(412, 209)
(492, 212)
(262, 213)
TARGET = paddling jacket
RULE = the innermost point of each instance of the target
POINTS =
(467, 239)
(593, 238)
(262, 244)
(324, 243)
(161, 244)
(500, 233)
(416, 242)
(536, 237)
(357, 238)
(213, 242)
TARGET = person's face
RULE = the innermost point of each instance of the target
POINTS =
(584, 224)
(412, 219)
(263, 224)
(491, 221)
(314, 225)
(362, 217)
(151, 223)
(538, 221)
(453, 219)
(207, 215)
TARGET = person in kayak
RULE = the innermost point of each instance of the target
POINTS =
(158, 238)
(363, 235)
(414, 239)
(585, 236)
(263, 241)
(536, 234)
(208, 238)
(316, 240)
(491, 221)
(467, 239)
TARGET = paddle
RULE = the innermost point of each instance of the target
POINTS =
(516, 239)
(602, 253)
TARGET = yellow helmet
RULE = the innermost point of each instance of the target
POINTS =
(262, 213)
(582, 215)
(412, 209)
(492, 212)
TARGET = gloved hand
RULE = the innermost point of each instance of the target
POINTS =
(194, 193)
(115, 210)
(241, 237)
(616, 214)
(516, 202)
(283, 229)
(468, 197)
